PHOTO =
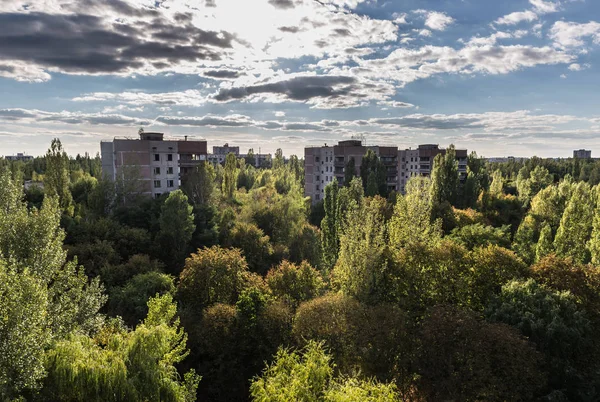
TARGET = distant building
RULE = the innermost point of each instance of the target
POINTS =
(159, 163)
(322, 164)
(19, 157)
(419, 162)
(582, 154)
(220, 153)
(505, 159)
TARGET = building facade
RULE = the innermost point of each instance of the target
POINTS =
(157, 164)
(322, 164)
(419, 162)
(582, 154)
(19, 157)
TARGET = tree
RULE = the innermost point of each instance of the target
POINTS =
(412, 218)
(329, 226)
(594, 242)
(199, 184)
(278, 162)
(349, 171)
(176, 228)
(253, 243)
(120, 365)
(56, 178)
(295, 283)
(23, 331)
(497, 186)
(463, 358)
(309, 376)
(544, 244)
(530, 183)
(251, 158)
(130, 300)
(212, 275)
(576, 225)
(554, 322)
(372, 168)
(230, 174)
(444, 178)
(362, 263)
(478, 235)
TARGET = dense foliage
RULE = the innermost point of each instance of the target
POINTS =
(236, 287)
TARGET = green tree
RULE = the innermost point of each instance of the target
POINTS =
(230, 174)
(23, 331)
(212, 275)
(594, 242)
(463, 358)
(444, 178)
(56, 178)
(295, 283)
(361, 266)
(555, 323)
(530, 183)
(349, 171)
(278, 162)
(371, 168)
(576, 225)
(199, 184)
(544, 244)
(478, 235)
(120, 365)
(412, 218)
(176, 228)
(329, 226)
(497, 186)
(308, 376)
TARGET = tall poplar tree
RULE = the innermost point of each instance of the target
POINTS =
(544, 244)
(56, 178)
(329, 226)
(576, 225)
(230, 174)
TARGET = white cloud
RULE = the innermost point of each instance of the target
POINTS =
(190, 97)
(517, 17)
(544, 7)
(579, 67)
(572, 34)
(436, 20)
(279, 114)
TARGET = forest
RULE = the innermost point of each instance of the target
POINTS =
(237, 288)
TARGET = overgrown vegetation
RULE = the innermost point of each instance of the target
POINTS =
(237, 288)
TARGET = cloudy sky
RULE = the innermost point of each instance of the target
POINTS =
(511, 77)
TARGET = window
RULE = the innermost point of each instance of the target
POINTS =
(316, 159)
(169, 183)
(170, 157)
(157, 195)
(156, 170)
(157, 157)
(170, 170)
(156, 183)
(317, 197)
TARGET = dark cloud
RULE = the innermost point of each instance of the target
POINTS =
(207, 121)
(342, 32)
(223, 74)
(304, 127)
(297, 88)
(282, 4)
(431, 122)
(85, 43)
(289, 29)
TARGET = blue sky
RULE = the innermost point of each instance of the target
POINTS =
(516, 77)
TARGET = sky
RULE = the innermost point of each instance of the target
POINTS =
(511, 77)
